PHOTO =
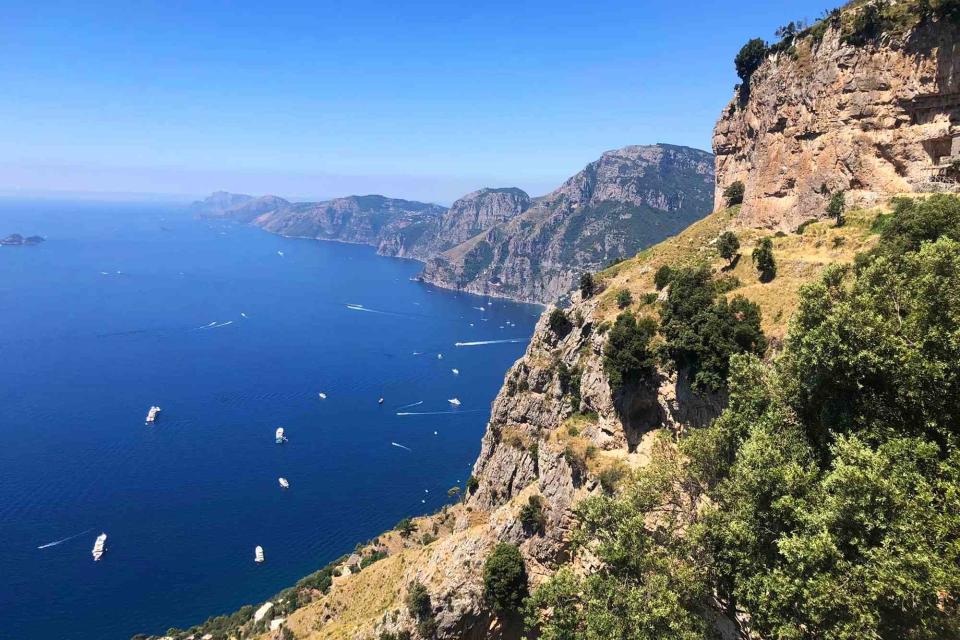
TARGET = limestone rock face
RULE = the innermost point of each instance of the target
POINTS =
(873, 120)
(627, 200)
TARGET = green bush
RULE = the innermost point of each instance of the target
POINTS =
(559, 323)
(750, 57)
(472, 484)
(587, 285)
(764, 260)
(532, 517)
(836, 207)
(406, 527)
(624, 298)
(703, 330)
(662, 277)
(728, 245)
(627, 357)
(418, 601)
(505, 578)
(610, 478)
(734, 193)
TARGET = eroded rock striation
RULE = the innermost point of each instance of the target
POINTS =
(625, 201)
(872, 119)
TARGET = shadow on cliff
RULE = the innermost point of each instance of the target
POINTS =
(666, 402)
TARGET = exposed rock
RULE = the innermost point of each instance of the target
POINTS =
(874, 120)
(17, 240)
(627, 200)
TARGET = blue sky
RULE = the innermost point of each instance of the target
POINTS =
(425, 100)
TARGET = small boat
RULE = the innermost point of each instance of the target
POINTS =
(152, 415)
(322, 395)
(258, 554)
(380, 401)
(280, 437)
(439, 356)
(454, 401)
(456, 372)
(284, 483)
(280, 253)
(99, 546)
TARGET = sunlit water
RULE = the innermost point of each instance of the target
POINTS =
(126, 306)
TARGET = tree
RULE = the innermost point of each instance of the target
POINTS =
(734, 193)
(624, 298)
(587, 285)
(764, 260)
(560, 325)
(421, 608)
(836, 207)
(728, 245)
(750, 57)
(662, 277)
(504, 578)
(627, 357)
(406, 527)
(531, 515)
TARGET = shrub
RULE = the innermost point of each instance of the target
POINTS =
(734, 193)
(649, 298)
(836, 207)
(531, 515)
(624, 298)
(560, 325)
(587, 285)
(504, 578)
(472, 484)
(662, 277)
(869, 22)
(627, 357)
(728, 245)
(569, 380)
(406, 527)
(763, 258)
(750, 57)
(418, 601)
(610, 478)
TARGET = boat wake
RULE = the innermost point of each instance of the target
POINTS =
(56, 542)
(412, 404)
(435, 413)
(360, 307)
(214, 325)
(477, 343)
(401, 446)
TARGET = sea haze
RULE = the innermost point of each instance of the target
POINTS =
(126, 306)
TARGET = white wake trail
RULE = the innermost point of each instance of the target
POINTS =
(412, 404)
(401, 446)
(435, 413)
(56, 542)
(477, 343)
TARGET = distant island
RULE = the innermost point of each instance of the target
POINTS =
(17, 240)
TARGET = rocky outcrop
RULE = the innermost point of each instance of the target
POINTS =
(873, 119)
(472, 214)
(17, 240)
(627, 200)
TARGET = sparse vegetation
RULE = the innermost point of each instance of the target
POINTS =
(734, 193)
(421, 609)
(836, 207)
(406, 527)
(532, 517)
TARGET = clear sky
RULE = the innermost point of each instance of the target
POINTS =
(425, 100)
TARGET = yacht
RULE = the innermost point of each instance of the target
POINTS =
(454, 401)
(280, 437)
(99, 546)
(152, 415)
(284, 483)
(258, 554)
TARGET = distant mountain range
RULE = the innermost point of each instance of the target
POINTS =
(501, 241)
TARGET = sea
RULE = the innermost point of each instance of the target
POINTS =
(233, 332)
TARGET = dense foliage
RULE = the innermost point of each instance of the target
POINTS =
(504, 578)
(728, 245)
(825, 501)
(750, 57)
(662, 277)
(627, 357)
(532, 516)
(587, 286)
(559, 323)
(763, 259)
(703, 330)
(734, 193)
(624, 298)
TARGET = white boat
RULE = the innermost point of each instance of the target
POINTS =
(280, 437)
(284, 483)
(258, 554)
(99, 546)
(280, 253)
(152, 415)
(380, 401)
(322, 395)
(439, 356)
(456, 372)
(454, 401)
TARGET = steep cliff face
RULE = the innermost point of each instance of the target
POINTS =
(472, 214)
(627, 200)
(874, 120)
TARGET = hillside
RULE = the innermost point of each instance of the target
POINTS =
(627, 200)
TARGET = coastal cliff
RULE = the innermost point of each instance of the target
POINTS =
(835, 110)
(625, 201)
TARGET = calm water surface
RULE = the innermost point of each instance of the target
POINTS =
(128, 305)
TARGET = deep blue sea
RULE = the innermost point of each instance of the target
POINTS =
(129, 305)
